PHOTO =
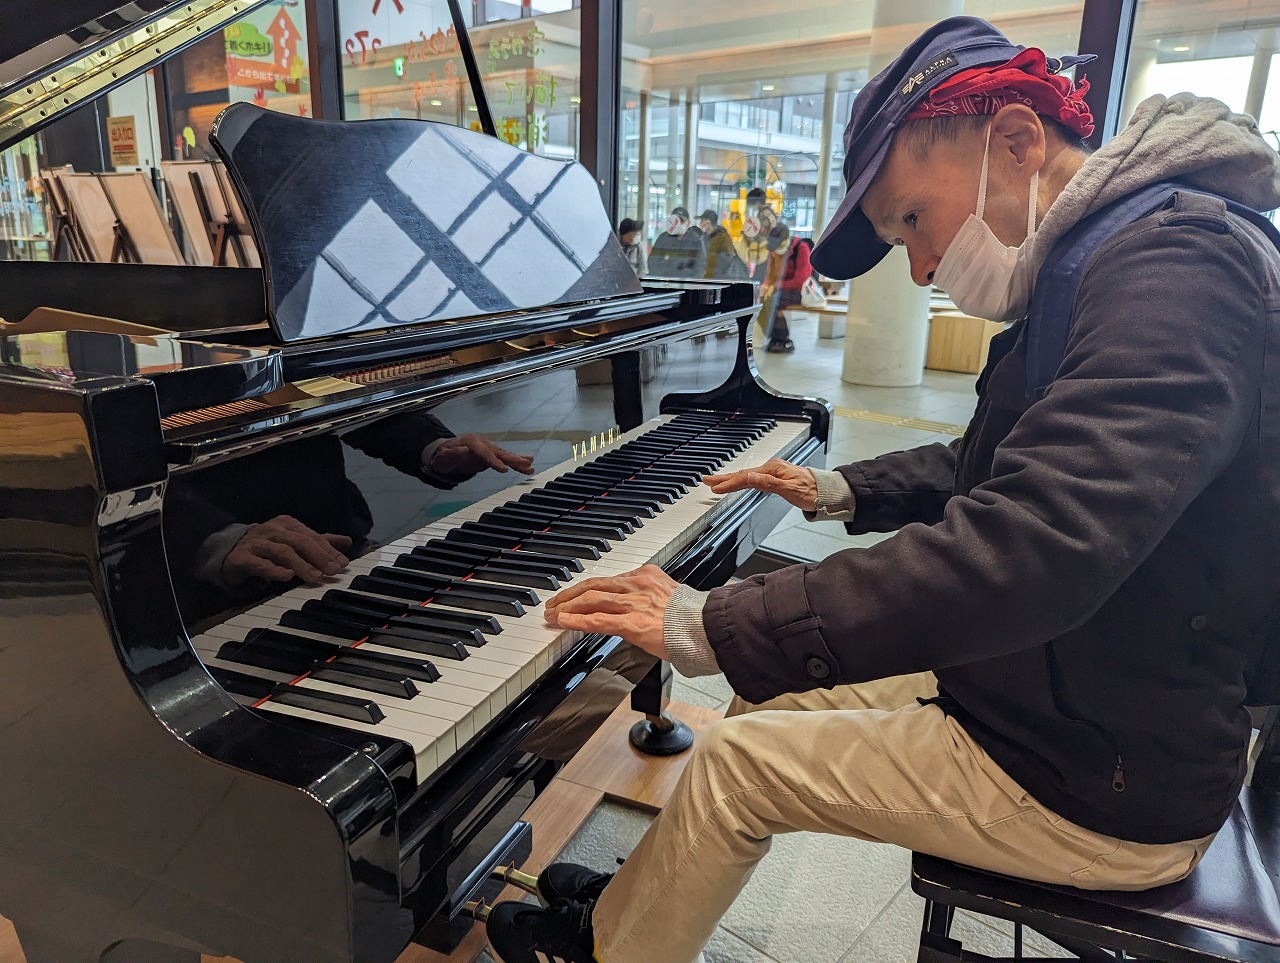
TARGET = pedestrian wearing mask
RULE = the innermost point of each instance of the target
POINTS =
(678, 251)
(632, 241)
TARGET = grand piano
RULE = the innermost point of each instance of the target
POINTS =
(325, 772)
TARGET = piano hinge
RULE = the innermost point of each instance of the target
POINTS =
(36, 101)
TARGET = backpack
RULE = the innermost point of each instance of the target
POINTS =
(1049, 323)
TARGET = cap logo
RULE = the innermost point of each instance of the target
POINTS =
(941, 62)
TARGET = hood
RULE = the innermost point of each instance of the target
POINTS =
(1197, 140)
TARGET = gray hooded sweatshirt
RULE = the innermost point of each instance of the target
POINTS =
(1087, 573)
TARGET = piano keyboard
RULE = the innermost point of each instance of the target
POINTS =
(430, 637)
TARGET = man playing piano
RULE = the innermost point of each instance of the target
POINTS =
(1043, 672)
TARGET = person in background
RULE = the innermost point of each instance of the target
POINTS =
(678, 252)
(633, 244)
(788, 269)
(758, 221)
(722, 262)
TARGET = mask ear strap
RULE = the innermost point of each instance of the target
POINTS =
(1031, 205)
(982, 180)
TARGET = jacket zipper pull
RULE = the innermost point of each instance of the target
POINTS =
(1117, 776)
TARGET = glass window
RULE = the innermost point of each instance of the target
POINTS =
(1213, 49)
(403, 60)
(772, 87)
(262, 58)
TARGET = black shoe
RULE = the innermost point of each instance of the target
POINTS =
(561, 881)
(520, 933)
(786, 346)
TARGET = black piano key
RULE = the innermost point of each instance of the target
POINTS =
(367, 678)
(599, 544)
(545, 568)
(241, 683)
(325, 624)
(508, 575)
(274, 639)
(528, 561)
(423, 670)
(290, 662)
(554, 545)
(425, 579)
(359, 602)
(572, 523)
(485, 598)
(453, 568)
(440, 548)
(403, 635)
(558, 565)
(504, 541)
(400, 590)
(431, 632)
(651, 505)
(330, 703)
(449, 621)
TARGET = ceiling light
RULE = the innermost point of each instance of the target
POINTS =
(473, 108)
(768, 87)
(1181, 48)
(575, 100)
(437, 103)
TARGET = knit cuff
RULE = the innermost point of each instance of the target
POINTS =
(213, 552)
(688, 650)
(835, 497)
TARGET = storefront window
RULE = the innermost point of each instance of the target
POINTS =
(1212, 50)
(403, 60)
(261, 58)
(721, 97)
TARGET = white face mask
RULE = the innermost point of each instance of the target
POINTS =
(676, 227)
(985, 278)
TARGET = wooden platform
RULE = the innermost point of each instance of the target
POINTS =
(606, 768)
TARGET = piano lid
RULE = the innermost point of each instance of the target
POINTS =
(369, 225)
(57, 54)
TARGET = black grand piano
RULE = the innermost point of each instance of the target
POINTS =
(199, 758)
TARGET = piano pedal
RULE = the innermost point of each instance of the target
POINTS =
(476, 909)
(514, 877)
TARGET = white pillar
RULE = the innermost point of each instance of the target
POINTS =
(691, 156)
(830, 131)
(888, 315)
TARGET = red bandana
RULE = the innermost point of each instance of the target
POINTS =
(1026, 79)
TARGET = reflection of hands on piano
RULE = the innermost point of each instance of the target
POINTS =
(795, 484)
(468, 455)
(631, 605)
(283, 549)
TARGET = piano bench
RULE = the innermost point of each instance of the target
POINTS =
(1228, 909)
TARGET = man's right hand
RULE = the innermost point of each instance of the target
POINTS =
(779, 477)
(284, 549)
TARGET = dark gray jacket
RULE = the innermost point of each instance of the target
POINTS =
(1090, 576)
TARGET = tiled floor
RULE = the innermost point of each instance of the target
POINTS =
(816, 898)
(814, 370)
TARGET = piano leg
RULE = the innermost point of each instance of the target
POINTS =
(658, 734)
(41, 947)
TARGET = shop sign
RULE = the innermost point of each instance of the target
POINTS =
(123, 135)
(266, 54)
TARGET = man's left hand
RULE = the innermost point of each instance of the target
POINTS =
(631, 605)
(468, 455)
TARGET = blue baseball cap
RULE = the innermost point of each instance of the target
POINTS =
(849, 245)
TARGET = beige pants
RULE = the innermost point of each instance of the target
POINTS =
(864, 761)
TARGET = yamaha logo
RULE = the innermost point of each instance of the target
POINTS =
(932, 67)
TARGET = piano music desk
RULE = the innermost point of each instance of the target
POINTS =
(607, 768)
